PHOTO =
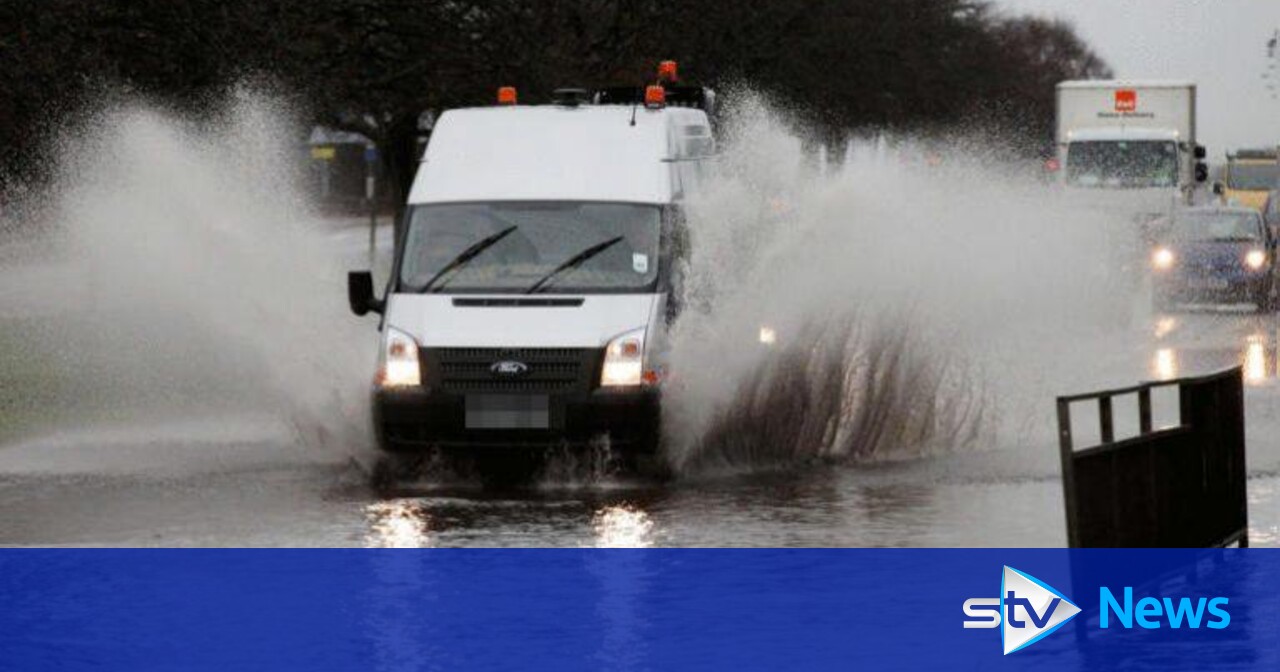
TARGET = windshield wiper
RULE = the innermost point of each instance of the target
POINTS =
(573, 262)
(465, 256)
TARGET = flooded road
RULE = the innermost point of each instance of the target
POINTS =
(229, 476)
(173, 371)
(330, 505)
(265, 491)
(923, 504)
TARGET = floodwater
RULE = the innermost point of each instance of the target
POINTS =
(178, 368)
(232, 477)
(273, 496)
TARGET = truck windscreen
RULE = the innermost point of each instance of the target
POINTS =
(1216, 226)
(1253, 176)
(539, 238)
(1122, 164)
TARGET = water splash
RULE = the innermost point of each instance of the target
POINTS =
(918, 296)
(188, 275)
(841, 389)
(917, 305)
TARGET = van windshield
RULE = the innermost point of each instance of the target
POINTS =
(1122, 164)
(528, 241)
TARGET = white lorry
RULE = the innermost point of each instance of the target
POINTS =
(1137, 136)
(537, 272)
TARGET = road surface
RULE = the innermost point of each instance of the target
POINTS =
(137, 468)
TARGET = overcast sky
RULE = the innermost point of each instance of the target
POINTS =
(1219, 44)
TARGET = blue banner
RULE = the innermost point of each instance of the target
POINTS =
(639, 609)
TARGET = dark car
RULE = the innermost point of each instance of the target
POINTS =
(1214, 254)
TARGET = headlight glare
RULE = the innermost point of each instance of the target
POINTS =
(399, 366)
(1255, 259)
(1162, 258)
(624, 360)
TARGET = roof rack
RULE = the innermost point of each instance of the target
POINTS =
(570, 97)
(677, 96)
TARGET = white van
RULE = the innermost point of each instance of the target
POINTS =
(536, 275)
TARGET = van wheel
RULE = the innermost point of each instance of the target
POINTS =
(506, 470)
(391, 470)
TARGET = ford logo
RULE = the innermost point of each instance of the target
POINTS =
(509, 368)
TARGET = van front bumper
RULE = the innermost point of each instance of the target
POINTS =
(420, 418)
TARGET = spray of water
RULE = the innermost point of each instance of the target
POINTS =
(921, 300)
(915, 307)
(189, 277)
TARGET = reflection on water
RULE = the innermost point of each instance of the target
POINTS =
(1255, 360)
(398, 523)
(1262, 493)
(622, 526)
(907, 503)
(1165, 365)
(416, 522)
(1165, 325)
(1199, 344)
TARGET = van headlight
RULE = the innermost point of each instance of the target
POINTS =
(624, 360)
(398, 364)
(1162, 258)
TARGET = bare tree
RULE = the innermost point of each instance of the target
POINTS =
(375, 65)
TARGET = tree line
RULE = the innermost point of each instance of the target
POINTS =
(841, 66)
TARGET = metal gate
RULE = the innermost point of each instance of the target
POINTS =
(1180, 486)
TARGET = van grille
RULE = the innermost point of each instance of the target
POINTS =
(470, 370)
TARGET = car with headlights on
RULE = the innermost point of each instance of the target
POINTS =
(1214, 255)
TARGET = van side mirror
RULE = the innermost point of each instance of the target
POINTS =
(1219, 188)
(1200, 152)
(360, 293)
(1202, 171)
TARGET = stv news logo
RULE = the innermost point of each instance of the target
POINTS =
(1026, 611)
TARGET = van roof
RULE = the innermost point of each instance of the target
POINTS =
(554, 152)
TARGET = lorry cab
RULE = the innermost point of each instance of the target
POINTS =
(1122, 158)
(1134, 138)
(1249, 177)
(536, 273)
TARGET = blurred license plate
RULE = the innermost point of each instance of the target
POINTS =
(508, 411)
(1209, 283)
